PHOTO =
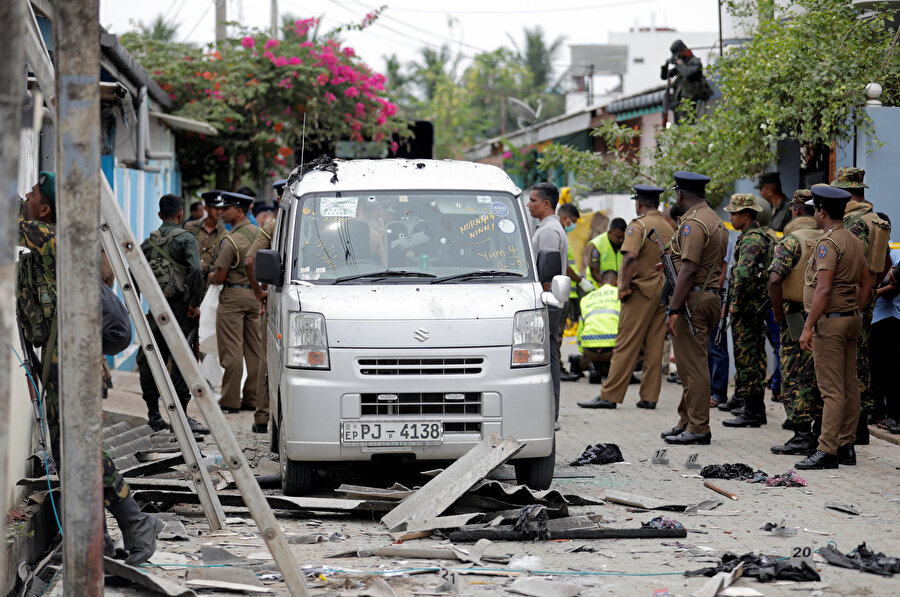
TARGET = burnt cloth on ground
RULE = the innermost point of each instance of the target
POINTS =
(761, 567)
(738, 470)
(861, 558)
(599, 454)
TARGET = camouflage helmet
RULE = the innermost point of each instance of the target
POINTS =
(742, 201)
(802, 196)
(850, 178)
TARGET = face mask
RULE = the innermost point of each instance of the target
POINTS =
(570, 228)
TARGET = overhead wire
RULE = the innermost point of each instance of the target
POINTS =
(525, 10)
(203, 16)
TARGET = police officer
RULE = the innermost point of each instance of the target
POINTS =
(598, 325)
(263, 241)
(801, 399)
(769, 186)
(209, 232)
(174, 258)
(862, 221)
(642, 322)
(36, 291)
(837, 286)
(698, 249)
(606, 251)
(237, 318)
(746, 297)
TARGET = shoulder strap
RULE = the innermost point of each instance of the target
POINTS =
(164, 253)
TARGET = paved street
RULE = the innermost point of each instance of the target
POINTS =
(625, 567)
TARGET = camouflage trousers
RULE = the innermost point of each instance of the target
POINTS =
(863, 371)
(748, 333)
(115, 489)
(799, 391)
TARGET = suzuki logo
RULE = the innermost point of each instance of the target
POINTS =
(421, 334)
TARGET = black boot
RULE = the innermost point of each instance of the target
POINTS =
(595, 375)
(819, 460)
(672, 431)
(156, 422)
(597, 402)
(731, 404)
(109, 547)
(575, 365)
(746, 419)
(139, 530)
(787, 425)
(847, 455)
(803, 442)
(646, 404)
(566, 376)
(862, 430)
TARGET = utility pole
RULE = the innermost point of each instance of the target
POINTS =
(12, 82)
(76, 30)
(221, 19)
(273, 18)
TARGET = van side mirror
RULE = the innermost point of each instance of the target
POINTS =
(268, 267)
(559, 292)
(549, 264)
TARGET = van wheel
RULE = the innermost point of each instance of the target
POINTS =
(296, 477)
(536, 473)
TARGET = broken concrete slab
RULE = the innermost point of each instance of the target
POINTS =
(144, 579)
(378, 588)
(540, 587)
(168, 560)
(216, 556)
(232, 575)
(439, 494)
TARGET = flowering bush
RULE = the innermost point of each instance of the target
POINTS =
(521, 163)
(256, 90)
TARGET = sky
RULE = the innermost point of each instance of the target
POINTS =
(406, 26)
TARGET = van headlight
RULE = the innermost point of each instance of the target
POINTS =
(529, 343)
(306, 345)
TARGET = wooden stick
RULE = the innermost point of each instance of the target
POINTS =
(720, 490)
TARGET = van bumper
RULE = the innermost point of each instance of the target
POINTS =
(510, 402)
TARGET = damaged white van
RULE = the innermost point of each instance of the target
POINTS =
(405, 318)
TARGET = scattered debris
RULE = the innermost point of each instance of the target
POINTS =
(845, 508)
(863, 559)
(640, 501)
(378, 588)
(525, 562)
(533, 522)
(506, 534)
(225, 578)
(780, 529)
(718, 489)
(662, 522)
(761, 567)
(394, 492)
(144, 579)
(719, 581)
(440, 493)
(599, 454)
(703, 507)
(737, 471)
(539, 587)
(788, 479)
(216, 556)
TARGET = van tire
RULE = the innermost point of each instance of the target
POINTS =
(296, 477)
(536, 473)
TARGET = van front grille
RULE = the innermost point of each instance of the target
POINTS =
(421, 403)
(422, 366)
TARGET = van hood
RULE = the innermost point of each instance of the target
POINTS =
(415, 316)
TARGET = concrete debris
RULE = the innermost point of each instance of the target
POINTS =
(539, 587)
(227, 578)
(216, 556)
(144, 579)
(845, 508)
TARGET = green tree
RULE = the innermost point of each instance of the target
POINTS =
(162, 30)
(538, 56)
(801, 76)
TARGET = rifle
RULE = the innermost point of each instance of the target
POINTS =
(28, 363)
(671, 277)
(723, 322)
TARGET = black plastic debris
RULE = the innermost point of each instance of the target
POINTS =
(599, 454)
(761, 567)
(738, 471)
(861, 558)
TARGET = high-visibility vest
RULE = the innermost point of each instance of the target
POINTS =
(599, 321)
(609, 257)
(572, 292)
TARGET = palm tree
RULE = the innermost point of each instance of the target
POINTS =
(162, 30)
(434, 67)
(538, 56)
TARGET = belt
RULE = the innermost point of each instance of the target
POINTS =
(700, 289)
(844, 314)
(228, 285)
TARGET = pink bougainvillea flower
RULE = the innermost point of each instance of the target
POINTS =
(272, 43)
(394, 147)
(507, 155)
(268, 55)
(329, 97)
(280, 61)
(294, 60)
(351, 92)
(248, 42)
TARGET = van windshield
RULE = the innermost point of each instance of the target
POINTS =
(409, 236)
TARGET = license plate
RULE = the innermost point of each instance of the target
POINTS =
(391, 433)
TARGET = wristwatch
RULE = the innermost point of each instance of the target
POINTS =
(669, 311)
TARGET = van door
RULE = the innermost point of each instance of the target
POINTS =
(274, 327)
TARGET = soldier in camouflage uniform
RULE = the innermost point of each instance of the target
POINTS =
(746, 294)
(36, 310)
(858, 220)
(801, 399)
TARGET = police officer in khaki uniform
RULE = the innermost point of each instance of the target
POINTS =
(263, 241)
(837, 288)
(642, 320)
(209, 233)
(698, 250)
(237, 318)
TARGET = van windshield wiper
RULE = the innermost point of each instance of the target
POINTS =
(478, 274)
(390, 273)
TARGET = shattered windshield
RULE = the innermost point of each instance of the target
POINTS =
(409, 236)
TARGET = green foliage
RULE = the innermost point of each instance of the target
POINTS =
(801, 75)
(521, 163)
(256, 90)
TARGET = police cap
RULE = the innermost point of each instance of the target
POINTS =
(212, 198)
(690, 181)
(647, 191)
(768, 178)
(826, 194)
(279, 185)
(236, 199)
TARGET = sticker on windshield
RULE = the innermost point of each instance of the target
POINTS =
(500, 210)
(338, 207)
(304, 269)
(506, 226)
(483, 198)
